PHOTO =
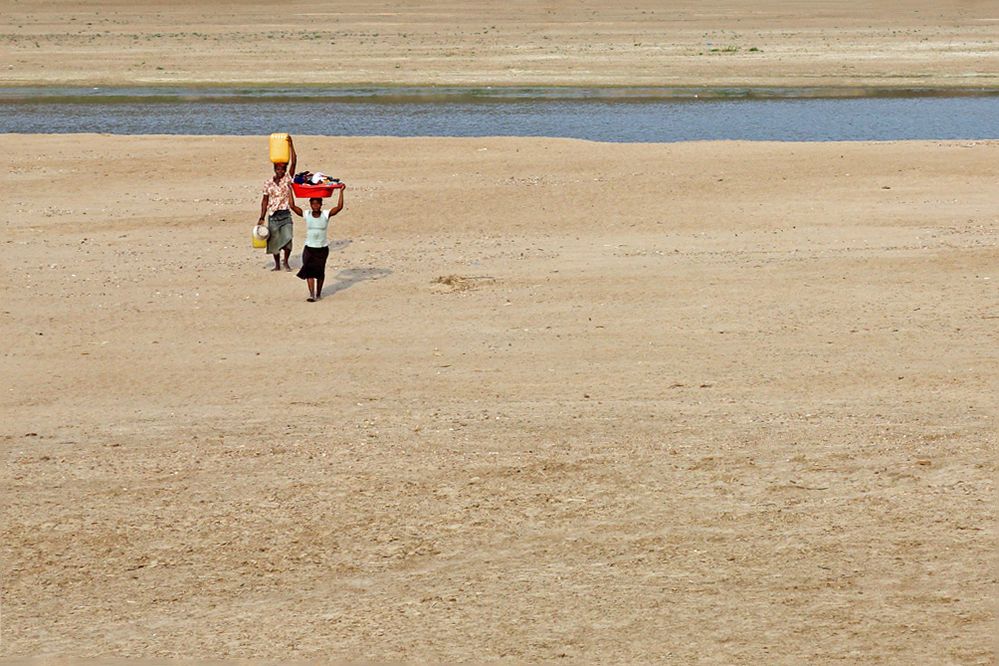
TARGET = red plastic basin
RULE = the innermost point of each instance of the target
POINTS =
(310, 191)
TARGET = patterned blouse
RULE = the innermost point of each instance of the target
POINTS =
(278, 194)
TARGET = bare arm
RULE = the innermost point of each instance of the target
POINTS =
(294, 158)
(339, 202)
(263, 209)
(291, 202)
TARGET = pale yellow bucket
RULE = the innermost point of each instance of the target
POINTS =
(257, 241)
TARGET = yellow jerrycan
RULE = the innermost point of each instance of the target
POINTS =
(259, 236)
(280, 150)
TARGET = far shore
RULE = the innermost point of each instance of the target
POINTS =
(916, 44)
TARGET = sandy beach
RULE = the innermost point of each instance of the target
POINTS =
(706, 402)
(703, 402)
(801, 43)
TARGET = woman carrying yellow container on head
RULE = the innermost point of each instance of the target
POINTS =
(277, 203)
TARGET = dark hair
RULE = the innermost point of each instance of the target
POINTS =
(319, 199)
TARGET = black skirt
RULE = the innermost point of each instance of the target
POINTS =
(314, 262)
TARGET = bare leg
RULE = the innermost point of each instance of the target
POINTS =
(319, 287)
(312, 288)
(277, 262)
(287, 253)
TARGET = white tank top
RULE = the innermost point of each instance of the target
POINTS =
(315, 234)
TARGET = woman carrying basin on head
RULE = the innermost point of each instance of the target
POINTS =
(316, 244)
(276, 205)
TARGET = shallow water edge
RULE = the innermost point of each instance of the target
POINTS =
(436, 94)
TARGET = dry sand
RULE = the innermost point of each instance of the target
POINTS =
(716, 402)
(826, 43)
(711, 402)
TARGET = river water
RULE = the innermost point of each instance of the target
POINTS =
(637, 115)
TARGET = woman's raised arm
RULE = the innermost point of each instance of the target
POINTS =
(339, 202)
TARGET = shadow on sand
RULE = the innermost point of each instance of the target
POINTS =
(348, 277)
